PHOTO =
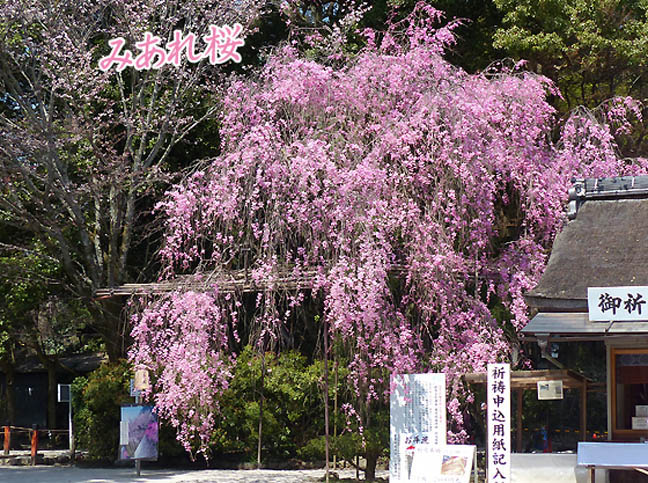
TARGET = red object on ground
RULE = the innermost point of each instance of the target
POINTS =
(548, 446)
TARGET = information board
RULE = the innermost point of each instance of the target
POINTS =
(63, 393)
(423, 462)
(499, 423)
(548, 390)
(138, 435)
(418, 409)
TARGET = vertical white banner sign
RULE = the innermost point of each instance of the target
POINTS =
(417, 408)
(499, 423)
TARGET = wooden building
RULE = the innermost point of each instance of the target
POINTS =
(605, 245)
(28, 385)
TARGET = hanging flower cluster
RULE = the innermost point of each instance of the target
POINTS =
(420, 195)
(183, 340)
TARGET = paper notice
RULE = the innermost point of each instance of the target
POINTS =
(123, 433)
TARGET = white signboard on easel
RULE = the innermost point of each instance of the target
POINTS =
(499, 423)
(418, 408)
(426, 463)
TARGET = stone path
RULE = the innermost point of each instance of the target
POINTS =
(68, 474)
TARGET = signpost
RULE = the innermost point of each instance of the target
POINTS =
(417, 409)
(138, 434)
(138, 428)
(423, 462)
(499, 423)
(65, 395)
(418, 451)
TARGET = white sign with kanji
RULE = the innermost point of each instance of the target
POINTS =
(617, 303)
(417, 407)
(499, 423)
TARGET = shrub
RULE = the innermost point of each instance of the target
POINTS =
(293, 411)
(313, 450)
(96, 402)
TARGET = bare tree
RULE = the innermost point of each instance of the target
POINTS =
(80, 148)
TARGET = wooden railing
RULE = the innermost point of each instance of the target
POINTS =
(33, 438)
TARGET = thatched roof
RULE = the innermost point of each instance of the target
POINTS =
(605, 244)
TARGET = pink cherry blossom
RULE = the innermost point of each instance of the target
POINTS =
(418, 195)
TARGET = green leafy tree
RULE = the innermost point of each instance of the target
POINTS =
(34, 319)
(593, 49)
(292, 400)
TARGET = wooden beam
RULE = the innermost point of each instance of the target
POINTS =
(528, 380)
(284, 278)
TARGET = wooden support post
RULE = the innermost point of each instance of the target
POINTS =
(138, 462)
(7, 439)
(261, 400)
(520, 393)
(326, 399)
(34, 446)
(583, 409)
(335, 407)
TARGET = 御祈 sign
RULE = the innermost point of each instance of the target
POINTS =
(417, 408)
(617, 303)
(499, 423)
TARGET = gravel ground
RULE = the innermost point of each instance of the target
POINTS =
(68, 474)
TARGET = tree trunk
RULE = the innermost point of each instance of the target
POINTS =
(335, 408)
(50, 365)
(372, 461)
(10, 392)
(111, 325)
(51, 393)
